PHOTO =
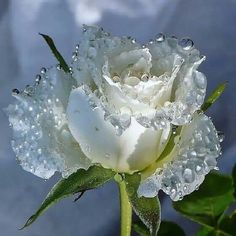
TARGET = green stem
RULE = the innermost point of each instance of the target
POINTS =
(125, 210)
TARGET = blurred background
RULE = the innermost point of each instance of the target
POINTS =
(211, 25)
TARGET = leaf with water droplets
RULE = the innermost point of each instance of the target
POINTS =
(79, 181)
(55, 52)
(147, 209)
(206, 205)
(214, 96)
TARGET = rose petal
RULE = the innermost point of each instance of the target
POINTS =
(193, 156)
(189, 88)
(95, 47)
(41, 138)
(99, 140)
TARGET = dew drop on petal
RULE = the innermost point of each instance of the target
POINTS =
(43, 70)
(15, 91)
(186, 43)
(160, 37)
(59, 67)
(38, 78)
(221, 136)
(188, 175)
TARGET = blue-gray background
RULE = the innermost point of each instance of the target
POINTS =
(210, 23)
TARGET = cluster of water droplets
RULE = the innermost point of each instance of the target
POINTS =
(195, 155)
(36, 117)
(96, 100)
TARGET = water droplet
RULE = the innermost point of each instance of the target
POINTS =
(119, 130)
(186, 43)
(77, 47)
(180, 193)
(15, 91)
(185, 188)
(43, 70)
(188, 175)
(71, 70)
(39, 151)
(84, 29)
(92, 104)
(133, 40)
(174, 128)
(144, 77)
(29, 90)
(221, 136)
(116, 79)
(151, 41)
(198, 168)
(216, 168)
(160, 37)
(59, 67)
(37, 79)
(144, 121)
(74, 55)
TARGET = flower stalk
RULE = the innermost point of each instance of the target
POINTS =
(125, 208)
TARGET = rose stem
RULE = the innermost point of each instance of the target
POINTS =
(125, 209)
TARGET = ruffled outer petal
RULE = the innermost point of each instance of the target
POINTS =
(193, 156)
(95, 47)
(41, 139)
(189, 88)
(135, 148)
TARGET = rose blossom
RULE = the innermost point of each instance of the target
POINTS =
(118, 108)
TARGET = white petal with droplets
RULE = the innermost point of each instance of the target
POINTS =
(41, 138)
(192, 157)
(101, 142)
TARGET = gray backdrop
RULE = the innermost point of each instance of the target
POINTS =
(210, 23)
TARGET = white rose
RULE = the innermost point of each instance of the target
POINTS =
(118, 109)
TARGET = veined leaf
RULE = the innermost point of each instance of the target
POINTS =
(147, 209)
(79, 181)
(214, 96)
(206, 205)
(55, 52)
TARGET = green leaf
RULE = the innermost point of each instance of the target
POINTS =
(204, 231)
(226, 227)
(214, 96)
(206, 205)
(228, 224)
(234, 179)
(167, 228)
(55, 52)
(170, 228)
(79, 181)
(147, 209)
(140, 228)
